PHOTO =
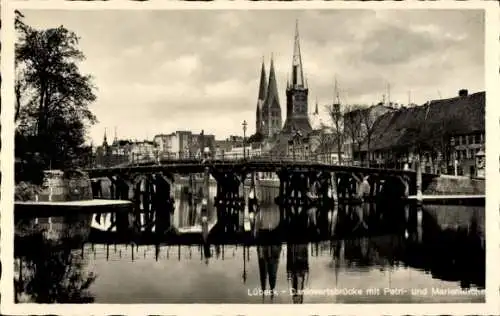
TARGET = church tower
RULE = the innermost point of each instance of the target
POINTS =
(259, 124)
(105, 140)
(296, 94)
(271, 111)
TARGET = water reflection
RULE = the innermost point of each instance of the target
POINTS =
(382, 245)
(268, 258)
(48, 268)
(297, 269)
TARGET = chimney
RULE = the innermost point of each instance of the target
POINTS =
(463, 93)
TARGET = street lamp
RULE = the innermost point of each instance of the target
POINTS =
(244, 124)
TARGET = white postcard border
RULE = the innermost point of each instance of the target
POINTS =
(492, 57)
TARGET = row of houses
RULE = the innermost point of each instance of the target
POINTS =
(449, 135)
(177, 145)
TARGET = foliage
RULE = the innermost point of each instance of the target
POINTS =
(337, 118)
(368, 119)
(52, 96)
(354, 127)
(26, 191)
(256, 138)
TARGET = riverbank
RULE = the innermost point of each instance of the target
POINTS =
(455, 185)
(25, 191)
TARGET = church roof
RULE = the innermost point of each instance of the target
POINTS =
(301, 124)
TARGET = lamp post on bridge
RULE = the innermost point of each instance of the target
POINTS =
(244, 124)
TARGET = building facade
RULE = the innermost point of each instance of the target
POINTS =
(182, 144)
(122, 152)
(446, 134)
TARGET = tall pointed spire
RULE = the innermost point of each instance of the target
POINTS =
(336, 91)
(316, 108)
(272, 104)
(259, 122)
(272, 88)
(297, 71)
(263, 82)
(105, 141)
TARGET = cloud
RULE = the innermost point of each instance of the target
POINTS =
(182, 67)
(158, 71)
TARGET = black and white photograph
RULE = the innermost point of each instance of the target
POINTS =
(259, 156)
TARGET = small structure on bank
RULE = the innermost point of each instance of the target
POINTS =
(62, 195)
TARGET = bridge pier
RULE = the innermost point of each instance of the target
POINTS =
(376, 183)
(119, 190)
(349, 185)
(296, 188)
(142, 199)
(96, 185)
(228, 200)
(253, 200)
(163, 203)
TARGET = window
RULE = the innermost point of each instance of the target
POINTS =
(482, 138)
(477, 139)
(460, 140)
(471, 139)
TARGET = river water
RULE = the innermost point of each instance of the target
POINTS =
(379, 256)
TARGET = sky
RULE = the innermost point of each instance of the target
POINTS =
(162, 71)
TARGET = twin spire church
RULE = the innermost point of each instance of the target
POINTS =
(268, 114)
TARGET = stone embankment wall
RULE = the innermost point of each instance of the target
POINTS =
(455, 185)
(70, 185)
(57, 186)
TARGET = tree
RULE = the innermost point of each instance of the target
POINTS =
(337, 118)
(353, 126)
(20, 84)
(52, 96)
(368, 120)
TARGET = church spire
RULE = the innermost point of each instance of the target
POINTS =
(272, 104)
(272, 88)
(115, 140)
(263, 82)
(259, 123)
(105, 140)
(297, 71)
(316, 108)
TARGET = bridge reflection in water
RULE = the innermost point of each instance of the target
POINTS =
(368, 246)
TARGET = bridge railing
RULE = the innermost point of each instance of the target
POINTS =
(328, 158)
